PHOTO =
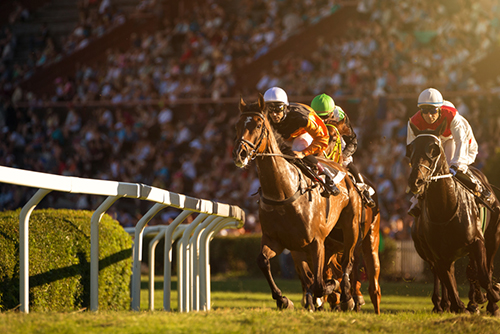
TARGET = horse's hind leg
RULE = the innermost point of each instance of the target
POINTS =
(263, 261)
(372, 265)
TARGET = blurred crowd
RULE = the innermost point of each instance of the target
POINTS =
(95, 18)
(396, 47)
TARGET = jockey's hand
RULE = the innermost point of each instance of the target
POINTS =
(453, 170)
(299, 154)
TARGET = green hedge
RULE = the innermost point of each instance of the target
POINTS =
(59, 262)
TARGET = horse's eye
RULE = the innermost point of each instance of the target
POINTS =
(259, 126)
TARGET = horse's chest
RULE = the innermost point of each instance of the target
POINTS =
(289, 228)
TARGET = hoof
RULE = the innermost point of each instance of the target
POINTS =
(360, 300)
(437, 310)
(284, 304)
(347, 306)
(496, 314)
(473, 310)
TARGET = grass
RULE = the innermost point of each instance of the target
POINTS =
(244, 305)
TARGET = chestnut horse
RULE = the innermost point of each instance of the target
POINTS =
(370, 236)
(449, 226)
(292, 212)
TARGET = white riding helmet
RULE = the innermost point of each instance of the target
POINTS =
(276, 94)
(448, 104)
(430, 96)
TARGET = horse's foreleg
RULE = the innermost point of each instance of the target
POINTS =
(475, 295)
(306, 278)
(317, 251)
(263, 261)
(446, 272)
(436, 297)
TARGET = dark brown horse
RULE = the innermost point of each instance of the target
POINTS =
(293, 214)
(449, 226)
(370, 228)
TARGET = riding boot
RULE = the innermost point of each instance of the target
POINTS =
(414, 210)
(470, 181)
(360, 183)
(330, 187)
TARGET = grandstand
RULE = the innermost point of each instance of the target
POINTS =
(145, 91)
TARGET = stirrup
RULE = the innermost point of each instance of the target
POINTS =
(487, 196)
(329, 189)
(369, 200)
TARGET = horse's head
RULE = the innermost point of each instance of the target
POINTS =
(251, 132)
(426, 156)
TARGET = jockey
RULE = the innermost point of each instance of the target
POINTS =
(298, 124)
(459, 144)
(336, 119)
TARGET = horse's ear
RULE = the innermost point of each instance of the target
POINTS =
(262, 103)
(442, 127)
(414, 128)
(242, 103)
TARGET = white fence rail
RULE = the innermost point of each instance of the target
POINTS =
(408, 264)
(227, 216)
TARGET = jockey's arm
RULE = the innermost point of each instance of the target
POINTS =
(351, 141)
(462, 133)
(317, 129)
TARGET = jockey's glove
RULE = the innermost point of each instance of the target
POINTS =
(453, 170)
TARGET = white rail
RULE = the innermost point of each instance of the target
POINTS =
(113, 190)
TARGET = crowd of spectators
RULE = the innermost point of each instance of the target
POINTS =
(396, 47)
(95, 17)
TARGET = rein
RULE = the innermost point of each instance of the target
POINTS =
(254, 154)
(433, 177)
(255, 147)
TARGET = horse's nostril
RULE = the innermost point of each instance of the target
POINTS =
(419, 182)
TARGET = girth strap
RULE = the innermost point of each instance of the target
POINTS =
(289, 200)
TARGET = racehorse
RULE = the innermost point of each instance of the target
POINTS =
(369, 234)
(449, 226)
(292, 212)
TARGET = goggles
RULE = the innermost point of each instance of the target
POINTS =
(429, 110)
(276, 107)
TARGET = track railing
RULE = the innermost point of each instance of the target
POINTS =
(231, 215)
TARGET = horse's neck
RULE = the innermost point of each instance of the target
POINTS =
(278, 178)
(441, 198)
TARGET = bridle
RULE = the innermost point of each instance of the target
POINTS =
(254, 153)
(254, 148)
(431, 177)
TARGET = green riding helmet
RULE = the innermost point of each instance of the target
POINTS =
(324, 105)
